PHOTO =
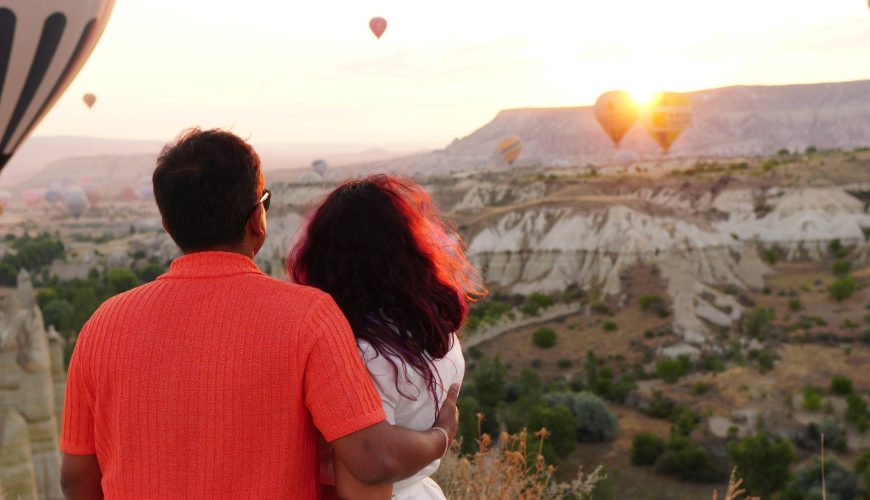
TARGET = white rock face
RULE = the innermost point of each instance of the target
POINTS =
(547, 248)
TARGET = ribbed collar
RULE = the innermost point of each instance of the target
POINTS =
(211, 265)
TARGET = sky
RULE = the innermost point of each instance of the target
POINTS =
(312, 72)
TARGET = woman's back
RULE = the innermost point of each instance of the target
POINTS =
(408, 402)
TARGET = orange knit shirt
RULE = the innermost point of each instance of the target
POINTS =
(213, 382)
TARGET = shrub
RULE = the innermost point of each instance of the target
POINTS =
(610, 326)
(840, 482)
(535, 303)
(701, 387)
(595, 421)
(560, 423)
(835, 434)
(862, 467)
(842, 267)
(841, 385)
(601, 309)
(475, 352)
(565, 364)
(836, 247)
(687, 461)
(795, 305)
(756, 323)
(763, 463)
(843, 288)
(812, 398)
(856, 411)
(544, 338)
(670, 370)
(646, 448)
(649, 301)
(770, 256)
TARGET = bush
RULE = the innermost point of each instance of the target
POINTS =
(795, 305)
(843, 288)
(565, 364)
(840, 482)
(763, 463)
(842, 267)
(595, 421)
(610, 326)
(671, 370)
(560, 423)
(687, 461)
(841, 385)
(646, 448)
(862, 467)
(856, 411)
(535, 303)
(544, 338)
(756, 323)
(836, 247)
(648, 302)
(812, 398)
(770, 256)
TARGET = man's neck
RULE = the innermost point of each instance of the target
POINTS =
(239, 249)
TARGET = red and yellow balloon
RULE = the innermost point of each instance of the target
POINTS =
(616, 112)
(510, 148)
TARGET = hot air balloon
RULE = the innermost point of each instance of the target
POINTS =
(43, 45)
(128, 194)
(319, 166)
(378, 25)
(146, 192)
(75, 202)
(510, 148)
(54, 193)
(616, 112)
(31, 197)
(94, 194)
(669, 114)
(90, 100)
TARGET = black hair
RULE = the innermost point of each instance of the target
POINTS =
(206, 185)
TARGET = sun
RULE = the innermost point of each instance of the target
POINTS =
(642, 96)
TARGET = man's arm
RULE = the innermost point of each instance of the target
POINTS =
(80, 477)
(385, 453)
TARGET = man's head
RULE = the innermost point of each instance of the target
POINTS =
(207, 186)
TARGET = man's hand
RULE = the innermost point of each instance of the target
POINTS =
(80, 477)
(448, 415)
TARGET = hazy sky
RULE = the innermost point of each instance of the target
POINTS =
(311, 71)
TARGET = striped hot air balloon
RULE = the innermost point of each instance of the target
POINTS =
(668, 116)
(510, 148)
(43, 45)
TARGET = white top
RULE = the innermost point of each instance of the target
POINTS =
(418, 413)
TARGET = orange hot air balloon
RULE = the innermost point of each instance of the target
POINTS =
(616, 112)
(668, 116)
(510, 148)
(378, 25)
(90, 100)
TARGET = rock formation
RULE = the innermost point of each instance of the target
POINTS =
(32, 382)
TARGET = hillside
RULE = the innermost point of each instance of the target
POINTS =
(730, 121)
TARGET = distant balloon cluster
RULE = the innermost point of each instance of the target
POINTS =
(76, 197)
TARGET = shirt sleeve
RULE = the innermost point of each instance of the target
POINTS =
(77, 426)
(338, 392)
(384, 377)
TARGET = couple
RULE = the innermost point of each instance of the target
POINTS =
(217, 381)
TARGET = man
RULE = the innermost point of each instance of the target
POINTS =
(215, 380)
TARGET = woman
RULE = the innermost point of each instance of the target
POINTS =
(400, 276)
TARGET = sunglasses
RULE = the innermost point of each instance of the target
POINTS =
(265, 200)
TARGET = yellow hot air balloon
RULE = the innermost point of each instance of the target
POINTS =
(616, 112)
(668, 116)
(510, 148)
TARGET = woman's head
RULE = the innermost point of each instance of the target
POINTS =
(380, 249)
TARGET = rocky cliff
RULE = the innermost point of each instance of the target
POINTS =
(32, 382)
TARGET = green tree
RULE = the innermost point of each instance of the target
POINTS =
(490, 384)
(561, 424)
(841, 385)
(843, 288)
(544, 338)
(646, 448)
(756, 323)
(856, 411)
(59, 313)
(670, 370)
(120, 279)
(687, 461)
(468, 427)
(763, 463)
(840, 482)
(595, 421)
(842, 267)
(535, 303)
(812, 398)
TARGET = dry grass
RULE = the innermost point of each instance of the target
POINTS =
(509, 470)
(734, 491)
